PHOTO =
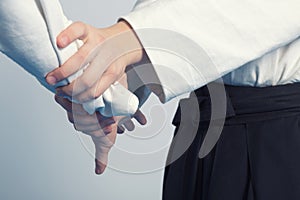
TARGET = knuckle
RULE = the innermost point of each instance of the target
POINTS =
(99, 39)
(86, 83)
(81, 27)
(79, 23)
(112, 75)
(62, 73)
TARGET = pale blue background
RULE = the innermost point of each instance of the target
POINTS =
(41, 155)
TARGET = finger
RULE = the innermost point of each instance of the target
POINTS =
(103, 71)
(103, 146)
(140, 117)
(69, 106)
(97, 90)
(101, 157)
(85, 87)
(129, 125)
(70, 117)
(109, 77)
(77, 30)
(100, 166)
(105, 66)
(76, 62)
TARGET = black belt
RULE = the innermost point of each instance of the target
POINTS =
(245, 103)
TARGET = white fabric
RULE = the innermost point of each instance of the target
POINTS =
(249, 42)
(28, 36)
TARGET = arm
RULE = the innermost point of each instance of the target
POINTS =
(28, 36)
(196, 42)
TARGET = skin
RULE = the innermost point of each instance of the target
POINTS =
(93, 82)
(103, 130)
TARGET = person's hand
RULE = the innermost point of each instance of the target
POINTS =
(103, 130)
(106, 52)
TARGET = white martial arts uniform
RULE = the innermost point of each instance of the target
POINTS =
(253, 43)
(257, 48)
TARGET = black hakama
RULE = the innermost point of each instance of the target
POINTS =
(257, 156)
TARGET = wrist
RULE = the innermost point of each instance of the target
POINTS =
(130, 41)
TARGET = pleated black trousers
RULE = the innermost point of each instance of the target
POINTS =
(257, 156)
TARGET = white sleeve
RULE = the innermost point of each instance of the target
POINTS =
(28, 36)
(200, 41)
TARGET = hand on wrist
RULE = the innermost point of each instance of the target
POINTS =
(130, 40)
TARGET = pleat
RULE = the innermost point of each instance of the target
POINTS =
(274, 148)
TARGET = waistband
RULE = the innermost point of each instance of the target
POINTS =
(246, 104)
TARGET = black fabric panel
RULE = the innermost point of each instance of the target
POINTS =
(257, 156)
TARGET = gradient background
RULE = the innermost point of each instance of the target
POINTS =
(41, 154)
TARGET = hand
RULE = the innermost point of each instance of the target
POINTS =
(102, 129)
(106, 51)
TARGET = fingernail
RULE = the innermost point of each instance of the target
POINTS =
(98, 171)
(51, 80)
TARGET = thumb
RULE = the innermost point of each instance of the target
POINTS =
(100, 164)
(140, 117)
(127, 122)
(101, 156)
(103, 145)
